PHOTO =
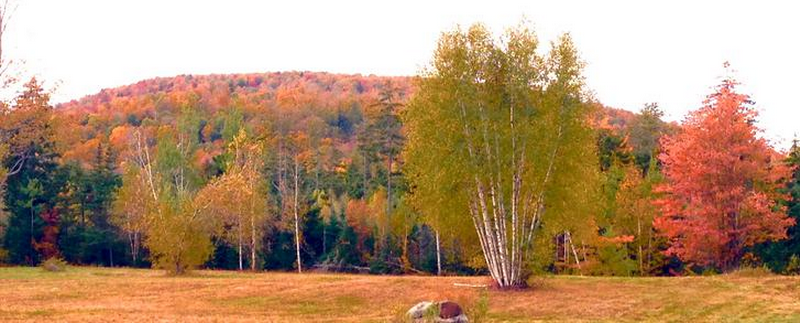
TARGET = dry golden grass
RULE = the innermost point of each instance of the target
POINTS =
(107, 295)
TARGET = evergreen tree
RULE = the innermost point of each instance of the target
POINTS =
(31, 163)
(777, 255)
(645, 132)
(103, 182)
(387, 127)
(346, 250)
(87, 235)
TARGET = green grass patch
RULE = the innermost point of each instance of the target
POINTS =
(252, 302)
(40, 313)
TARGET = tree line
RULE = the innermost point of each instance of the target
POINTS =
(495, 160)
(501, 139)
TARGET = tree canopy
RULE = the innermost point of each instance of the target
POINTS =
(499, 138)
(720, 194)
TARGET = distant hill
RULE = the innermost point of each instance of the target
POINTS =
(216, 90)
(323, 104)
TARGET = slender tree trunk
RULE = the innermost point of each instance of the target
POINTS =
(503, 246)
(574, 253)
(240, 246)
(135, 249)
(296, 216)
(389, 187)
(130, 244)
(639, 243)
(252, 243)
(316, 174)
(388, 199)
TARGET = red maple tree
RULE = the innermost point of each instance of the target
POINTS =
(721, 184)
(48, 245)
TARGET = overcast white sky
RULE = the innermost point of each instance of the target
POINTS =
(670, 52)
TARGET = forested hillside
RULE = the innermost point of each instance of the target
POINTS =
(328, 125)
(325, 106)
(287, 171)
(487, 183)
(334, 127)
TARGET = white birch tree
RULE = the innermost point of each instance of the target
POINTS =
(235, 198)
(177, 230)
(499, 136)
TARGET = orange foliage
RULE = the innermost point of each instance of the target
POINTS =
(358, 216)
(721, 184)
(83, 153)
(285, 102)
(120, 136)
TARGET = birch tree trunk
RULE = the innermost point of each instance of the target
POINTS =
(296, 216)
(501, 131)
(133, 248)
(639, 243)
(240, 245)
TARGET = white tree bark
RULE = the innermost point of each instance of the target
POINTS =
(240, 246)
(295, 211)
(505, 233)
(438, 255)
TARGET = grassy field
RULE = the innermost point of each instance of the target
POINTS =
(100, 294)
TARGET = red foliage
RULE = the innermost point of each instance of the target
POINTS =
(720, 192)
(48, 245)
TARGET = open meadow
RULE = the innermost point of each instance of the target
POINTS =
(344, 161)
(100, 294)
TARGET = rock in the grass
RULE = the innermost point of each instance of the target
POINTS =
(417, 312)
(449, 312)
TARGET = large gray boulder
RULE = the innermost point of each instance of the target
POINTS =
(418, 312)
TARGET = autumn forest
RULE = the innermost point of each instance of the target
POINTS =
(496, 160)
